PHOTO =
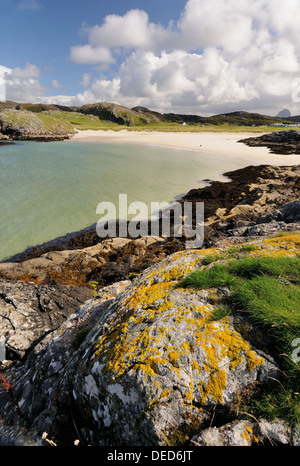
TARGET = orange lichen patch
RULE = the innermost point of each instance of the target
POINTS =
(5, 383)
(249, 436)
(222, 347)
(145, 296)
(122, 349)
(173, 357)
(214, 387)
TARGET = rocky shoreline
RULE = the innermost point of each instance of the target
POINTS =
(281, 142)
(233, 209)
(124, 367)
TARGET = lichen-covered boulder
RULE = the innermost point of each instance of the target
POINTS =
(156, 361)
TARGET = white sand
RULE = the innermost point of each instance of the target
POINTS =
(222, 143)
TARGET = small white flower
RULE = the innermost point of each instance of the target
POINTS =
(76, 442)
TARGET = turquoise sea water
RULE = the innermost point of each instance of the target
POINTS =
(50, 189)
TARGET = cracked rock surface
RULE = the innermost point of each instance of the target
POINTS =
(28, 312)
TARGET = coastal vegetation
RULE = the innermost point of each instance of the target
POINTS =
(38, 120)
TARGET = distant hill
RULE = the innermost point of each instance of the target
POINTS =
(294, 118)
(285, 113)
(239, 118)
(122, 115)
(138, 116)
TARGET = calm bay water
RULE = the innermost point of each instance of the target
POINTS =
(51, 189)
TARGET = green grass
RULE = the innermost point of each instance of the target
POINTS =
(72, 119)
(268, 290)
(52, 122)
(84, 122)
(75, 120)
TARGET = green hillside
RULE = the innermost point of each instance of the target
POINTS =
(25, 120)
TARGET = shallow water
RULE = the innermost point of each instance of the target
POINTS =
(50, 189)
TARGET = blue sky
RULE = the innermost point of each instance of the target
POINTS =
(193, 56)
(42, 32)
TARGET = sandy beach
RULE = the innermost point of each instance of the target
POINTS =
(222, 143)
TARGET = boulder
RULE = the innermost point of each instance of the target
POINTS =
(29, 397)
(276, 431)
(160, 362)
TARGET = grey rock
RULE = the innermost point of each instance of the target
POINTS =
(277, 431)
(246, 433)
(235, 434)
(36, 383)
(28, 312)
(295, 438)
(288, 213)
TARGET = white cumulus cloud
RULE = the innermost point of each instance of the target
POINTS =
(219, 54)
(86, 79)
(23, 84)
(86, 54)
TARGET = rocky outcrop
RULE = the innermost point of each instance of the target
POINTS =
(25, 125)
(287, 213)
(107, 262)
(286, 218)
(247, 433)
(144, 364)
(281, 142)
(251, 193)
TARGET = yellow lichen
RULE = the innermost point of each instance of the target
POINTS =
(173, 357)
(253, 360)
(214, 387)
(249, 436)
